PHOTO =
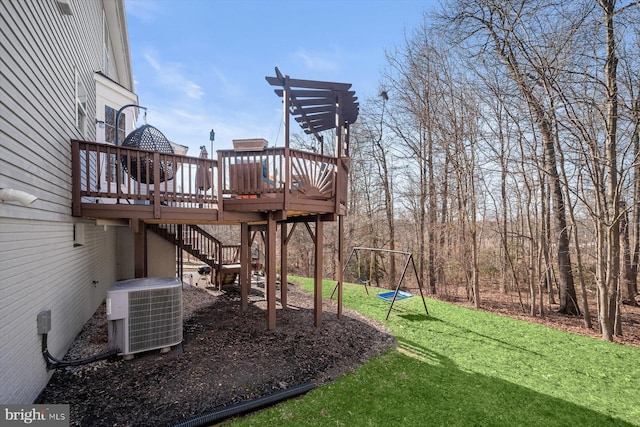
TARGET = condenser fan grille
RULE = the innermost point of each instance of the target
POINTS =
(155, 318)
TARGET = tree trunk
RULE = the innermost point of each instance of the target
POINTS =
(474, 223)
(609, 286)
(443, 221)
(576, 241)
(382, 159)
(627, 268)
(432, 216)
(632, 279)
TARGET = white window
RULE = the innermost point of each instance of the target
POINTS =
(110, 96)
(110, 136)
(110, 125)
(81, 106)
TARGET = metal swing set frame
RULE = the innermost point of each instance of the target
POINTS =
(391, 296)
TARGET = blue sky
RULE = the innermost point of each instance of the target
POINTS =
(200, 64)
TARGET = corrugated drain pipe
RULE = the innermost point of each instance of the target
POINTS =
(244, 407)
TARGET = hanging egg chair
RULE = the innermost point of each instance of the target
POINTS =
(140, 167)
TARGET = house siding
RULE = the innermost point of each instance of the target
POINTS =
(41, 50)
(38, 94)
(161, 256)
(42, 270)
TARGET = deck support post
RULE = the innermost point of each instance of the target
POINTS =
(179, 249)
(140, 249)
(283, 263)
(317, 281)
(340, 275)
(270, 286)
(245, 265)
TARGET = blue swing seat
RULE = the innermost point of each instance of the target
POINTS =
(388, 296)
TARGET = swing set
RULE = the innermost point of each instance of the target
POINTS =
(391, 296)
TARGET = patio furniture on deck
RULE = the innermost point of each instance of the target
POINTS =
(140, 167)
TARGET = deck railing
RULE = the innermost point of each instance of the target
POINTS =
(108, 174)
(104, 173)
(260, 173)
(199, 243)
(251, 173)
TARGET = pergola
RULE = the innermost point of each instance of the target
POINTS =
(316, 106)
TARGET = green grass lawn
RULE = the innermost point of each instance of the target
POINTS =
(464, 367)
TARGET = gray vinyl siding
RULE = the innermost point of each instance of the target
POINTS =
(45, 271)
(40, 52)
(112, 70)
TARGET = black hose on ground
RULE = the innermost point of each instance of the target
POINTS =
(242, 408)
(53, 363)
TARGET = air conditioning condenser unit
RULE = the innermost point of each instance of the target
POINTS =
(144, 314)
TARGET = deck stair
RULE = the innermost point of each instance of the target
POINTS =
(224, 260)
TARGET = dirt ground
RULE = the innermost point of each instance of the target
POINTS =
(227, 357)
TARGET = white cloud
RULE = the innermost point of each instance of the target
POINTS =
(171, 76)
(190, 127)
(225, 87)
(145, 10)
(318, 61)
(179, 107)
(193, 90)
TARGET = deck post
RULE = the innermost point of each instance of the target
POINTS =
(140, 250)
(340, 272)
(245, 265)
(286, 105)
(156, 186)
(317, 282)
(283, 264)
(270, 286)
(221, 186)
(339, 150)
(179, 249)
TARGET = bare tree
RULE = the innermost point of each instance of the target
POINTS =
(508, 29)
(588, 110)
(382, 159)
(608, 280)
(630, 79)
(529, 121)
(411, 120)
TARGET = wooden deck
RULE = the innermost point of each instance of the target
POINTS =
(246, 185)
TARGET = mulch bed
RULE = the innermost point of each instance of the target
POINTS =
(227, 356)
